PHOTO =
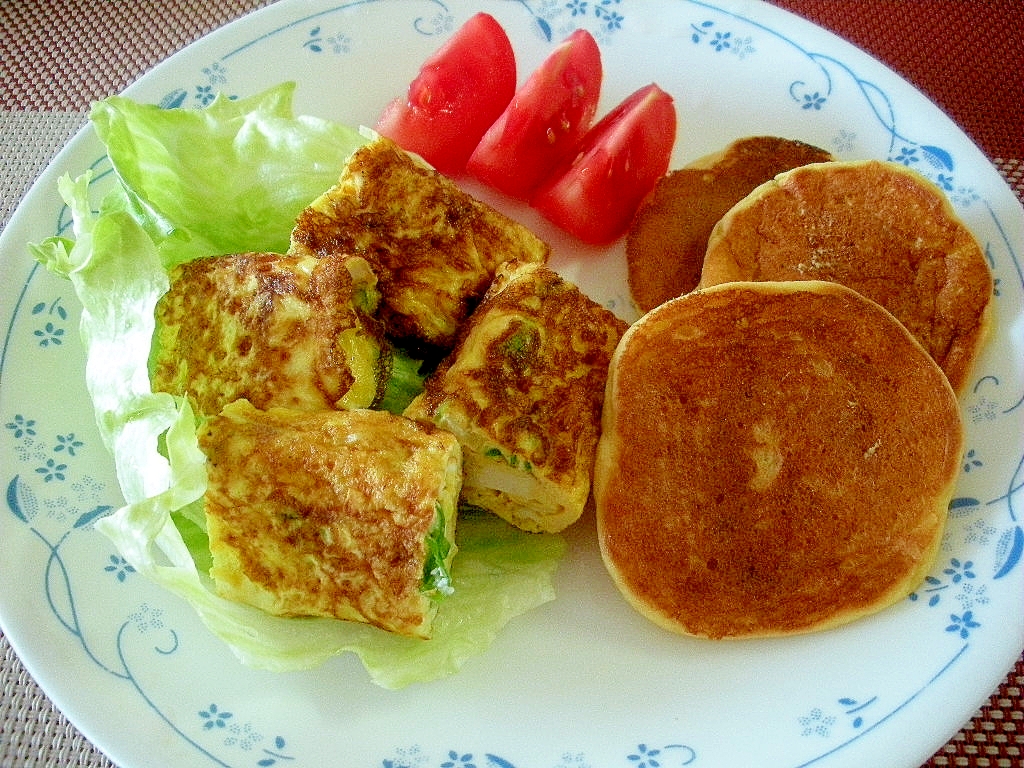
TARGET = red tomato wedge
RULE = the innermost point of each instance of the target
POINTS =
(545, 121)
(619, 161)
(459, 92)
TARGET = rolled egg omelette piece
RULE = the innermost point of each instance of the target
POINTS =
(278, 330)
(880, 228)
(347, 514)
(522, 392)
(775, 458)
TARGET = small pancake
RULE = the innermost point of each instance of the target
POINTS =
(775, 458)
(666, 244)
(879, 228)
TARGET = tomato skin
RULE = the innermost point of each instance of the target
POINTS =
(620, 160)
(545, 121)
(459, 92)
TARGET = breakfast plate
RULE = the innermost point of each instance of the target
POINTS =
(582, 681)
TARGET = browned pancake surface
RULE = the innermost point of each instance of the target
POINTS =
(774, 459)
(878, 228)
(666, 244)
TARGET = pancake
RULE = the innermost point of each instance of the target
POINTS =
(666, 243)
(775, 458)
(879, 228)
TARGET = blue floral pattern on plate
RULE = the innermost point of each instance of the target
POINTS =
(57, 485)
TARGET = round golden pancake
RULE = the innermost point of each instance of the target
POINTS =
(667, 240)
(775, 458)
(879, 228)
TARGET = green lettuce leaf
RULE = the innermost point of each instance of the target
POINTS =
(227, 178)
(405, 381)
(231, 178)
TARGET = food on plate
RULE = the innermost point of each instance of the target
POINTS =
(620, 159)
(306, 503)
(876, 227)
(543, 124)
(279, 330)
(667, 239)
(776, 458)
(460, 90)
(300, 523)
(433, 247)
(522, 391)
(258, 165)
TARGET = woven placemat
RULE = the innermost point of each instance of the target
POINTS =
(94, 48)
(56, 56)
(33, 732)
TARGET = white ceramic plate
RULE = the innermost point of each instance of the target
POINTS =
(584, 681)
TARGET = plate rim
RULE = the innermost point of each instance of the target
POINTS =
(81, 138)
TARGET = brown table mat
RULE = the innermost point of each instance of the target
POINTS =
(58, 55)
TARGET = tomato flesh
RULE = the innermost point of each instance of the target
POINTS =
(620, 160)
(545, 121)
(459, 92)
